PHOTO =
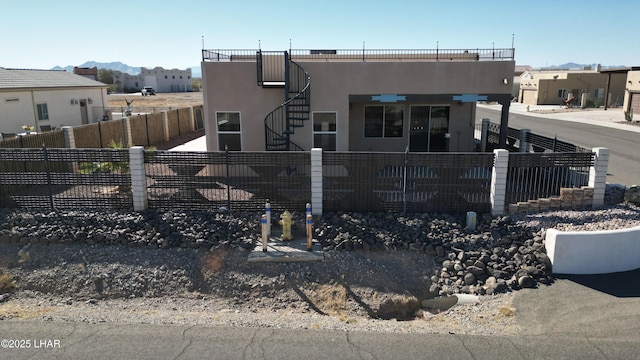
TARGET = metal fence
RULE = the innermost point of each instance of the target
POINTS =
(234, 180)
(540, 175)
(407, 182)
(539, 143)
(363, 182)
(493, 54)
(65, 178)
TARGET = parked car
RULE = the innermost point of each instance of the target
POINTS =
(147, 90)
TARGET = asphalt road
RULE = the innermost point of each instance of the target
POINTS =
(122, 341)
(624, 146)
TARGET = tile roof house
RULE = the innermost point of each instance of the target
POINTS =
(48, 98)
(351, 100)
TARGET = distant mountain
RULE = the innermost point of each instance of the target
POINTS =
(118, 66)
(572, 65)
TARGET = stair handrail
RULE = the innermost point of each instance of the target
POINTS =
(280, 112)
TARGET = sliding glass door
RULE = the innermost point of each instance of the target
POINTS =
(429, 128)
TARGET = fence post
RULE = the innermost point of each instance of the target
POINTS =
(138, 178)
(484, 135)
(598, 175)
(165, 125)
(70, 143)
(316, 181)
(128, 137)
(192, 119)
(525, 147)
(499, 181)
(69, 139)
(228, 167)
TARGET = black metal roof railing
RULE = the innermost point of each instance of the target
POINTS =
(493, 54)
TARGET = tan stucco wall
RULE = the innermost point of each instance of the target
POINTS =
(232, 86)
(14, 114)
(546, 87)
(632, 85)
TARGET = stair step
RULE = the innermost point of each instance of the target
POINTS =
(273, 84)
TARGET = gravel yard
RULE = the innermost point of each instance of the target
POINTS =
(191, 268)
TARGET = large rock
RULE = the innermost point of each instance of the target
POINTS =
(632, 195)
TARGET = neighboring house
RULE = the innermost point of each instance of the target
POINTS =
(161, 80)
(632, 92)
(48, 97)
(519, 70)
(351, 100)
(555, 86)
(89, 73)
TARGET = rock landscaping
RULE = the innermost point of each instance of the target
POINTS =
(377, 265)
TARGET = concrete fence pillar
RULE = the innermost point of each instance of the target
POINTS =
(316, 181)
(484, 134)
(128, 136)
(138, 178)
(499, 181)
(525, 146)
(165, 125)
(598, 175)
(70, 143)
(69, 138)
(192, 119)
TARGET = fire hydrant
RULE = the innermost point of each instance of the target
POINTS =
(286, 223)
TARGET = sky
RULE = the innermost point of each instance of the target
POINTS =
(41, 34)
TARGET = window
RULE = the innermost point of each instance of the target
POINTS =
(598, 93)
(165, 76)
(383, 120)
(562, 93)
(228, 131)
(43, 112)
(324, 130)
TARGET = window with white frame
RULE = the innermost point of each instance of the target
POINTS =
(228, 124)
(43, 112)
(324, 130)
(383, 121)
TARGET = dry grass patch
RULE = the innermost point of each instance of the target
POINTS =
(330, 298)
(172, 100)
(14, 311)
(213, 262)
(507, 311)
(6, 282)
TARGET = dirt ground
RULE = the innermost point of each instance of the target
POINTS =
(173, 100)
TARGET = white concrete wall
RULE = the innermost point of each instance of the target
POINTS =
(18, 108)
(593, 252)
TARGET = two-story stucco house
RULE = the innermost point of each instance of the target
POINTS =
(48, 98)
(351, 100)
(160, 79)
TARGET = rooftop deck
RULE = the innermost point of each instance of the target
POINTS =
(367, 55)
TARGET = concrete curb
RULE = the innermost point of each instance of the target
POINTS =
(593, 252)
